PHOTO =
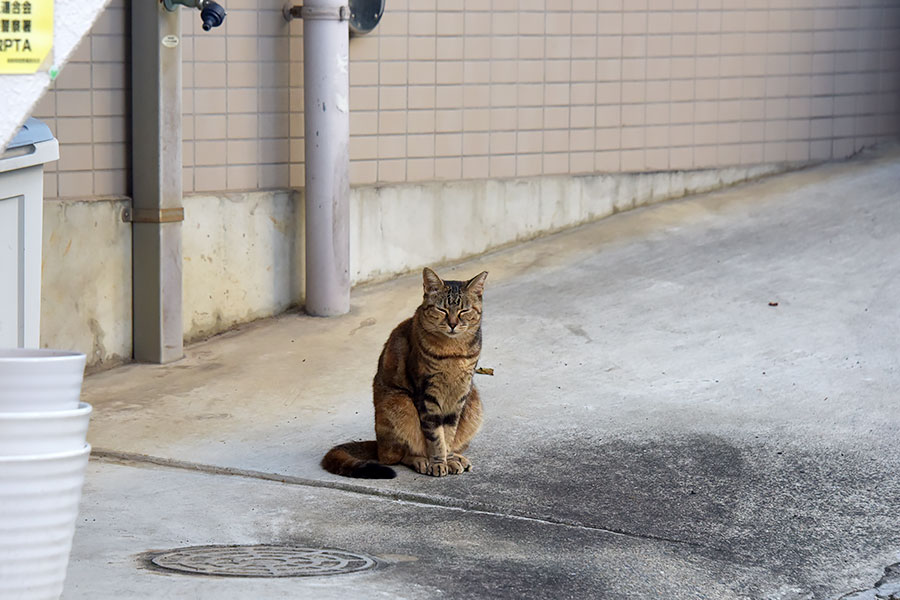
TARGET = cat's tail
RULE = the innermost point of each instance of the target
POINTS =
(357, 459)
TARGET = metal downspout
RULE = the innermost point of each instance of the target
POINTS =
(326, 93)
(157, 212)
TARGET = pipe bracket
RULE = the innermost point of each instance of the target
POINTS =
(153, 215)
(341, 13)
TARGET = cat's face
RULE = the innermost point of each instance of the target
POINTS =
(452, 308)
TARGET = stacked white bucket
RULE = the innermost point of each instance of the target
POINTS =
(43, 456)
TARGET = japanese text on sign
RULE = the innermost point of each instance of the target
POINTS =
(26, 35)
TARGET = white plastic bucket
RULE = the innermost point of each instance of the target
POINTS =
(48, 432)
(39, 496)
(38, 380)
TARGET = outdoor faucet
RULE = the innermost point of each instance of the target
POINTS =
(211, 13)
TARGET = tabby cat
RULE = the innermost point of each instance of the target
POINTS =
(426, 406)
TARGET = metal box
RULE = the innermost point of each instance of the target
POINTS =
(21, 213)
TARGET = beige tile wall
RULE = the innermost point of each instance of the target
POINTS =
(510, 88)
(470, 89)
(88, 108)
(239, 131)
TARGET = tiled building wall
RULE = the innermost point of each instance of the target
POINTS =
(506, 88)
(472, 89)
(243, 100)
(88, 109)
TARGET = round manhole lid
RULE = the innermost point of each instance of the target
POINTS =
(262, 561)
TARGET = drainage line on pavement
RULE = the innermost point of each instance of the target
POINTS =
(126, 458)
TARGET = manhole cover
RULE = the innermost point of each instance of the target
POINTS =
(262, 561)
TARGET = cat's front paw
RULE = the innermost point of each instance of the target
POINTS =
(437, 468)
(433, 467)
(457, 463)
(419, 463)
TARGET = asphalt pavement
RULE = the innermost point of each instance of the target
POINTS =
(697, 399)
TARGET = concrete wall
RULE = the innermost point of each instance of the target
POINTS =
(244, 253)
(243, 259)
(86, 279)
(395, 229)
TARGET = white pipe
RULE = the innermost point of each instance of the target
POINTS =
(326, 92)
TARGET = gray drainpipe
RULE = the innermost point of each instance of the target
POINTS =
(157, 212)
(326, 94)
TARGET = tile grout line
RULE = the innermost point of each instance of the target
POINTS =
(130, 458)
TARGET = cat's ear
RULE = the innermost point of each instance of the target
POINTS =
(431, 281)
(476, 284)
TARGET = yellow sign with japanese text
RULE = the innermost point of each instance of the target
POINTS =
(26, 35)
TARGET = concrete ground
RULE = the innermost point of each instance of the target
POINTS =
(698, 399)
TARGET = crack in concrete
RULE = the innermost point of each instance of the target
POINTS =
(886, 588)
(132, 458)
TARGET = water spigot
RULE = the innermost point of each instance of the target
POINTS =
(211, 13)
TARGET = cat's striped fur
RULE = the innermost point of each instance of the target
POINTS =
(426, 406)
